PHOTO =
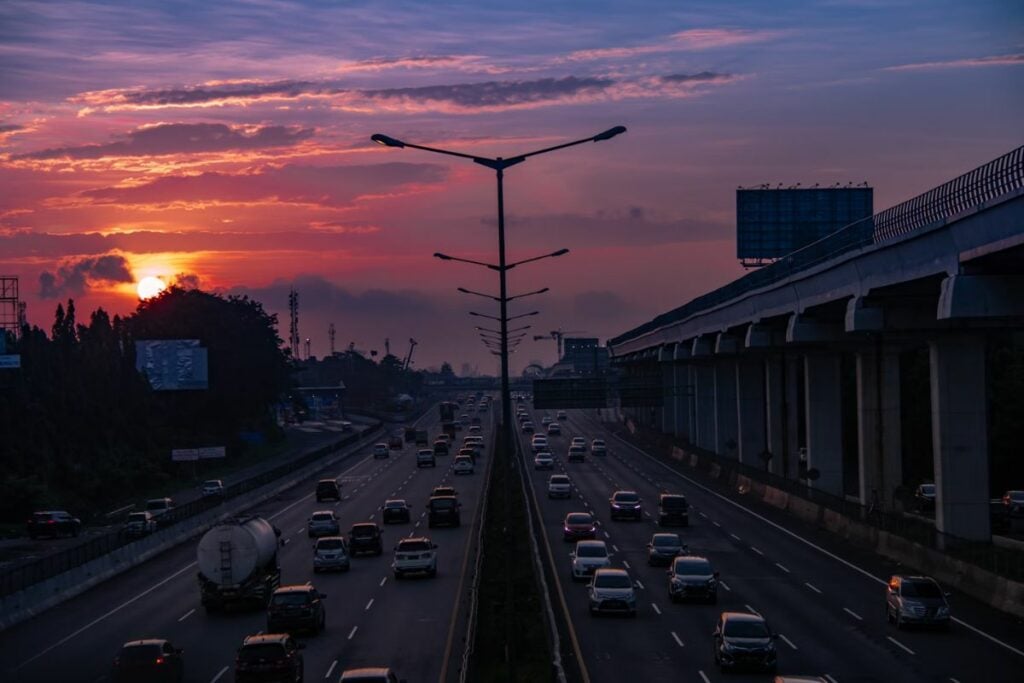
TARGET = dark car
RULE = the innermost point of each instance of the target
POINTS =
(924, 498)
(692, 577)
(443, 511)
(52, 523)
(365, 537)
(148, 660)
(294, 608)
(139, 524)
(578, 526)
(625, 504)
(440, 448)
(916, 600)
(673, 509)
(664, 548)
(269, 657)
(327, 489)
(376, 674)
(744, 641)
(394, 511)
(395, 442)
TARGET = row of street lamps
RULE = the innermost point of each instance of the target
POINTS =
(498, 165)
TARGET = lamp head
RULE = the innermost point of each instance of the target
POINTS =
(387, 141)
(560, 252)
(443, 257)
(610, 133)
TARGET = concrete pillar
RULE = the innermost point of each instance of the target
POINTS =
(880, 457)
(726, 427)
(775, 422)
(960, 435)
(824, 420)
(750, 410)
(704, 410)
(667, 410)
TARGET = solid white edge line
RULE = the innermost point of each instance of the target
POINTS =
(219, 674)
(186, 615)
(675, 636)
(788, 642)
(899, 644)
(331, 669)
(853, 614)
(810, 544)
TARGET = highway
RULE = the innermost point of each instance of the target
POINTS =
(372, 620)
(824, 599)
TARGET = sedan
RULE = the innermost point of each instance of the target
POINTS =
(744, 640)
(394, 511)
(588, 557)
(543, 461)
(213, 488)
(663, 548)
(53, 523)
(692, 577)
(323, 523)
(579, 526)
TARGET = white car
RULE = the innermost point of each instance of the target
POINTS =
(588, 557)
(475, 442)
(597, 447)
(561, 415)
(543, 461)
(415, 555)
(554, 429)
(475, 430)
(380, 450)
(578, 441)
(463, 465)
(559, 486)
(611, 590)
(213, 488)
(539, 443)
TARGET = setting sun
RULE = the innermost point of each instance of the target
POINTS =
(150, 286)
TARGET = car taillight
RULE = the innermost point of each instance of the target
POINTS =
(159, 660)
(51, 521)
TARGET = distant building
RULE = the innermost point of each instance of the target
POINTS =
(584, 355)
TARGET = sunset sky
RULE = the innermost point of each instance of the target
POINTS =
(227, 145)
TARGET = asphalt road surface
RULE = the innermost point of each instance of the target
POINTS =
(372, 620)
(825, 600)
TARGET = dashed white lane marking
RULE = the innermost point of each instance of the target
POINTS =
(656, 608)
(812, 588)
(782, 568)
(352, 632)
(301, 529)
(383, 581)
(717, 524)
(899, 645)
(331, 670)
(704, 677)
(724, 585)
(615, 547)
(373, 515)
(369, 605)
(756, 550)
(606, 534)
(417, 524)
(752, 610)
(832, 680)
(953, 680)
(702, 515)
(219, 674)
(675, 637)
(788, 641)
(853, 614)
(422, 515)
(640, 584)
(736, 537)
(186, 615)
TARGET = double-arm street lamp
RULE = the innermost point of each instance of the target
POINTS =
(498, 165)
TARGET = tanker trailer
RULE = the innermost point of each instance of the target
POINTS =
(238, 563)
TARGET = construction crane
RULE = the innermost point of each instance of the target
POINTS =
(408, 356)
(558, 335)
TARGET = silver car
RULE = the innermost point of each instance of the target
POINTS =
(323, 523)
(916, 600)
(331, 553)
(588, 557)
(611, 590)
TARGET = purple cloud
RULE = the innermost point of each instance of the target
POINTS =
(74, 276)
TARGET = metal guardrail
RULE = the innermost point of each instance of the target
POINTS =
(995, 179)
(23, 576)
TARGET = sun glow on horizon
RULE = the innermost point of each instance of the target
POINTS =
(150, 286)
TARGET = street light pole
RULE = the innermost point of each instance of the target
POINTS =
(506, 394)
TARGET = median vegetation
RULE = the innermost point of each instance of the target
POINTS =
(510, 642)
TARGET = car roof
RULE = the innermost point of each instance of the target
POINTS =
(444, 496)
(558, 476)
(265, 639)
(665, 534)
(742, 616)
(625, 491)
(395, 500)
(365, 672)
(361, 525)
(331, 538)
(327, 481)
(615, 571)
(416, 539)
(595, 544)
(579, 512)
(323, 512)
(909, 577)
(145, 641)
(295, 588)
(672, 495)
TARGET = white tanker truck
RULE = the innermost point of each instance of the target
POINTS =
(238, 563)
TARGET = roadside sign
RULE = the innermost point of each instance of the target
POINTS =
(184, 454)
(10, 361)
(211, 452)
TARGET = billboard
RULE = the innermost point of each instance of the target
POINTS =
(172, 364)
(773, 223)
(574, 392)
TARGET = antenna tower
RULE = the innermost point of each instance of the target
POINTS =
(293, 309)
(330, 335)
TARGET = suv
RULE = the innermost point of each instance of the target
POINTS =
(331, 552)
(381, 450)
(213, 488)
(395, 510)
(425, 458)
(588, 557)
(139, 524)
(577, 454)
(365, 537)
(415, 555)
(327, 489)
(444, 491)
(463, 464)
(598, 447)
(611, 590)
(274, 656)
(744, 640)
(296, 607)
(443, 510)
(440, 447)
(559, 486)
(148, 660)
(691, 576)
(625, 504)
(323, 523)
(673, 509)
(916, 600)
(52, 523)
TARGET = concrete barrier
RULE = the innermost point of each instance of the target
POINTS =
(40, 597)
(776, 497)
(804, 509)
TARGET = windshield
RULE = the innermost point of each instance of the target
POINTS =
(330, 544)
(323, 517)
(364, 531)
(920, 589)
(626, 497)
(443, 504)
(1017, 496)
(394, 504)
(612, 581)
(290, 599)
(413, 546)
(668, 541)
(254, 653)
(578, 518)
(693, 567)
(592, 551)
(212, 484)
(928, 489)
(140, 653)
(746, 629)
(137, 517)
(559, 480)
(673, 503)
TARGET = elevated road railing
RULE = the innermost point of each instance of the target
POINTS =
(984, 185)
